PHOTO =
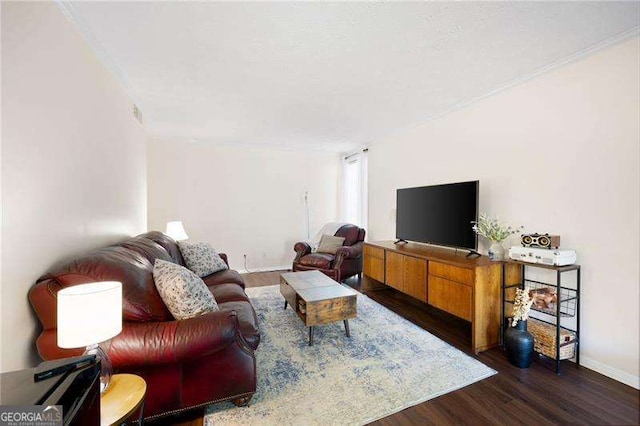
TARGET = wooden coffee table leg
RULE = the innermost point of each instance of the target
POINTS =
(311, 336)
(346, 328)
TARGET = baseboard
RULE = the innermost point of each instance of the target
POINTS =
(607, 370)
(265, 269)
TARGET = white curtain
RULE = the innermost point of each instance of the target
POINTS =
(354, 188)
(364, 188)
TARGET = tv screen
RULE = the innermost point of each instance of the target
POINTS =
(438, 214)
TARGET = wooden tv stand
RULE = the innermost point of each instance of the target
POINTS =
(467, 287)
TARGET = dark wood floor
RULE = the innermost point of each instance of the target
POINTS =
(533, 396)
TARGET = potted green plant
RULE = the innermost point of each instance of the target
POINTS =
(517, 340)
(494, 231)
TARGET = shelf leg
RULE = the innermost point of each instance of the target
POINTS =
(285, 303)
(346, 328)
(311, 335)
(578, 318)
(558, 319)
(504, 283)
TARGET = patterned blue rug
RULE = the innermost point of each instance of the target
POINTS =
(387, 365)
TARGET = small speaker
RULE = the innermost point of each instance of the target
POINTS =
(541, 240)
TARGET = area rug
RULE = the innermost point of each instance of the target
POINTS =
(387, 365)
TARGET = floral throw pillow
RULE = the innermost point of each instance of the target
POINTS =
(201, 258)
(182, 291)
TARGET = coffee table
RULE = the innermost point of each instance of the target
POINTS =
(317, 299)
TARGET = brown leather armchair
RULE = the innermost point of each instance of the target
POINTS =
(347, 261)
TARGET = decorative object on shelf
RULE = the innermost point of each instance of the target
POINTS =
(543, 256)
(496, 251)
(176, 231)
(89, 314)
(518, 341)
(540, 240)
(494, 231)
(544, 335)
(544, 297)
(521, 306)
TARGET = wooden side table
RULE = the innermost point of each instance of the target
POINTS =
(124, 396)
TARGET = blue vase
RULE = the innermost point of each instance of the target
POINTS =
(519, 345)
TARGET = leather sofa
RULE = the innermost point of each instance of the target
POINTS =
(186, 364)
(347, 261)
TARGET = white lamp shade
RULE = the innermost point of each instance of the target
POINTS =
(176, 231)
(89, 313)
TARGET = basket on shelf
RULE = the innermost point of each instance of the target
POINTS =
(545, 339)
(546, 298)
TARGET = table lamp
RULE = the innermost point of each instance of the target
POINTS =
(176, 231)
(89, 314)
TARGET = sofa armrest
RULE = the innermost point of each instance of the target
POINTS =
(347, 252)
(142, 344)
(153, 343)
(301, 249)
(223, 256)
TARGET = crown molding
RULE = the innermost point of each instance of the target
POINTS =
(580, 54)
(72, 15)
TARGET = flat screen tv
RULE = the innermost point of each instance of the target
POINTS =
(438, 214)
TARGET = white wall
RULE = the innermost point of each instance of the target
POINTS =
(558, 154)
(242, 200)
(73, 160)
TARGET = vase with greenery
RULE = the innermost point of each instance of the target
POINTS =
(518, 341)
(494, 231)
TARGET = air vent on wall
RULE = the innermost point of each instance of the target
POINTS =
(137, 113)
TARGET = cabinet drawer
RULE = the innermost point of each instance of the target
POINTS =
(415, 278)
(453, 273)
(394, 270)
(450, 296)
(373, 268)
(373, 252)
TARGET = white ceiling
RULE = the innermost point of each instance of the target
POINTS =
(331, 75)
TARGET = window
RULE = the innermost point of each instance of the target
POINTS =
(354, 188)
